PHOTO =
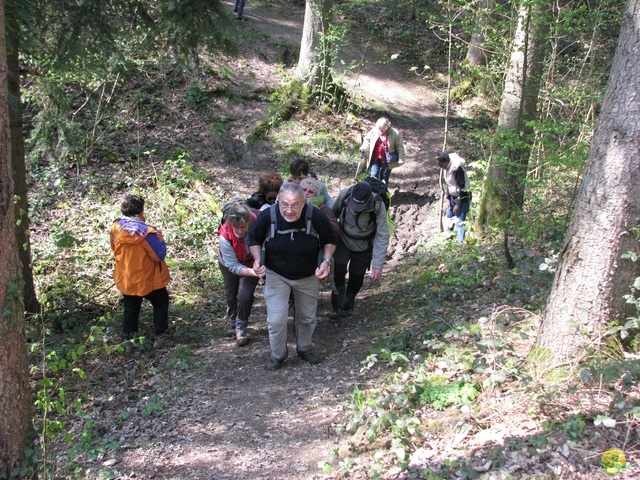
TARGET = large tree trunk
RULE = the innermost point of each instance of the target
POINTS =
(592, 279)
(15, 400)
(505, 183)
(314, 64)
(19, 174)
(477, 55)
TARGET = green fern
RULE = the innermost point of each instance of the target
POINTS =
(443, 396)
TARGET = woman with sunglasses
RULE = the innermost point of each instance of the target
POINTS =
(312, 191)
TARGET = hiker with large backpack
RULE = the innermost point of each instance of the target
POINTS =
(236, 265)
(292, 244)
(383, 149)
(363, 242)
(457, 194)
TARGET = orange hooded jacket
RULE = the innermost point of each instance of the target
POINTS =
(140, 269)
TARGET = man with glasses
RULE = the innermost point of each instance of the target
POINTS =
(286, 242)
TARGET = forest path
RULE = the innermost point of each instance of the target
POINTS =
(381, 82)
(224, 416)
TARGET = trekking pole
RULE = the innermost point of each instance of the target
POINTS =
(446, 121)
(441, 215)
(359, 163)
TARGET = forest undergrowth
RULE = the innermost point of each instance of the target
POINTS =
(437, 376)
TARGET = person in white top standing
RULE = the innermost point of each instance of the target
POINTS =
(458, 194)
(384, 149)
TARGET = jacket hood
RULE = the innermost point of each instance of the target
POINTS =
(455, 161)
(132, 232)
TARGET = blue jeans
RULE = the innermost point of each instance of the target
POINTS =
(461, 216)
(239, 7)
(380, 171)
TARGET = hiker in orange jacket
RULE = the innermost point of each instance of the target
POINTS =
(140, 270)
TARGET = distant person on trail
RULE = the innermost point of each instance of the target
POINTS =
(384, 150)
(292, 244)
(238, 9)
(457, 193)
(300, 170)
(236, 265)
(140, 270)
(364, 238)
(269, 184)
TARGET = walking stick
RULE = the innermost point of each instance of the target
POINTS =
(446, 127)
(441, 201)
(359, 163)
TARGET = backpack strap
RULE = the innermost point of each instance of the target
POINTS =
(273, 228)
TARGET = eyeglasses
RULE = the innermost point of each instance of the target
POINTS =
(292, 206)
(309, 190)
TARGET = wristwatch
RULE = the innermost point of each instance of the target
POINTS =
(328, 260)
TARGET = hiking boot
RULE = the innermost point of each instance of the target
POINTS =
(160, 341)
(273, 364)
(130, 342)
(334, 315)
(242, 339)
(231, 330)
(310, 357)
(349, 303)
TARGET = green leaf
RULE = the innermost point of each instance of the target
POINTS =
(65, 240)
(604, 421)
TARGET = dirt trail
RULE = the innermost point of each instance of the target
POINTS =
(229, 418)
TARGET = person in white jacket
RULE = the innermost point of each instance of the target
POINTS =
(384, 149)
(457, 194)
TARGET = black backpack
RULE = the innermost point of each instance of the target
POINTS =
(273, 230)
(379, 190)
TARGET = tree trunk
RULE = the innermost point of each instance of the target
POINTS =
(19, 174)
(314, 63)
(592, 279)
(476, 55)
(15, 399)
(505, 182)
